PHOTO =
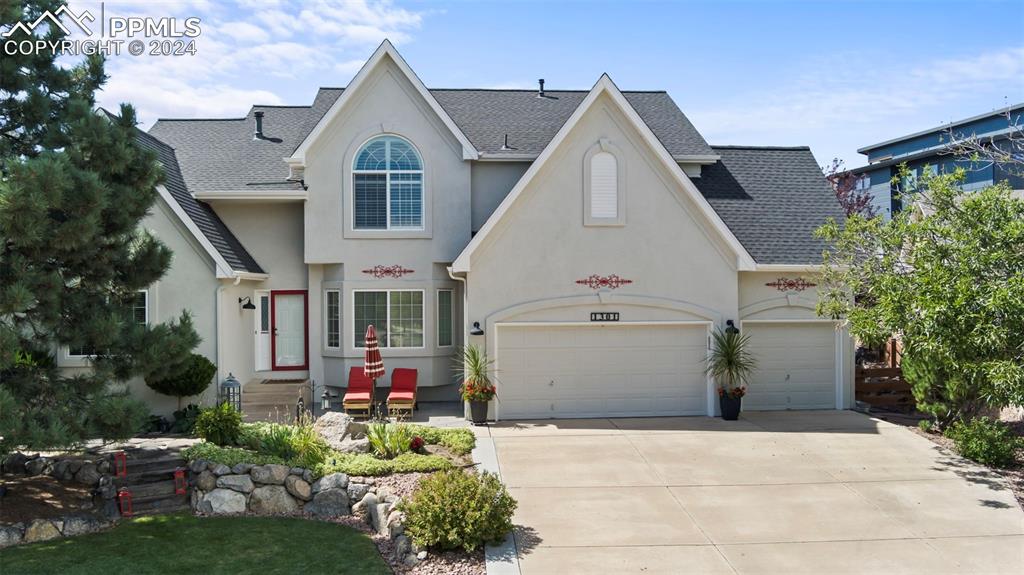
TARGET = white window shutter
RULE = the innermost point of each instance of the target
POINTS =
(604, 186)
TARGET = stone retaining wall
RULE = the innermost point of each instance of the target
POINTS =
(46, 529)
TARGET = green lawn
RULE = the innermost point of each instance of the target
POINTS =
(186, 544)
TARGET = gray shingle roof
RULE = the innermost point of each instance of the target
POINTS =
(202, 214)
(772, 199)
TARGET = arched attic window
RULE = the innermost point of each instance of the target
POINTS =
(603, 185)
(387, 184)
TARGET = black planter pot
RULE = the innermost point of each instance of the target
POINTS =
(730, 407)
(478, 412)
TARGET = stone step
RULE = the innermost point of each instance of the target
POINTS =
(168, 463)
(163, 488)
(145, 478)
(158, 504)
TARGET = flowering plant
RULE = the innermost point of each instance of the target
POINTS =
(475, 372)
(416, 443)
(476, 391)
(733, 393)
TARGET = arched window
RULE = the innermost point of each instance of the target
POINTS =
(387, 185)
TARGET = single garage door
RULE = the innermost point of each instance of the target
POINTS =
(601, 370)
(796, 365)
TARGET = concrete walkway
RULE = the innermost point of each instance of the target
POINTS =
(777, 492)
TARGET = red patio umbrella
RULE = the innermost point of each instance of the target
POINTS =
(373, 363)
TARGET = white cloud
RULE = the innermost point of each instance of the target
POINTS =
(244, 32)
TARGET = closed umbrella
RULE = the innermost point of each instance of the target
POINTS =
(373, 363)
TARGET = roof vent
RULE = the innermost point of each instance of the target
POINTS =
(258, 132)
(540, 92)
(505, 147)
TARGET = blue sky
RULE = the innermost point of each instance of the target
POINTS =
(832, 75)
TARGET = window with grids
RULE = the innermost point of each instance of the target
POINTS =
(387, 186)
(140, 313)
(333, 330)
(444, 317)
(397, 316)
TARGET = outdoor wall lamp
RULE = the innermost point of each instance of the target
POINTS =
(248, 303)
(476, 329)
(730, 327)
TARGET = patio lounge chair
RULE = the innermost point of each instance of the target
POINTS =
(359, 395)
(403, 391)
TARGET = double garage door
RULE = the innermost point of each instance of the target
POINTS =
(608, 370)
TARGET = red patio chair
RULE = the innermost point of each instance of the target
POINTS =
(403, 391)
(359, 395)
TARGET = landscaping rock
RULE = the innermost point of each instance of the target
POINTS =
(298, 487)
(11, 534)
(332, 481)
(329, 503)
(88, 474)
(272, 499)
(197, 466)
(222, 501)
(15, 463)
(297, 471)
(74, 465)
(38, 466)
(80, 525)
(41, 530)
(106, 487)
(240, 483)
(62, 470)
(339, 430)
(103, 466)
(207, 481)
(241, 468)
(379, 516)
(356, 491)
(402, 547)
(220, 469)
(354, 446)
(307, 476)
(270, 474)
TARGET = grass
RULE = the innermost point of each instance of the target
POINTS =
(186, 544)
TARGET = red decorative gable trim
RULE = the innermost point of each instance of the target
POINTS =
(794, 284)
(597, 282)
(395, 271)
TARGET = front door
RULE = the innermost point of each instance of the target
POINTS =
(288, 311)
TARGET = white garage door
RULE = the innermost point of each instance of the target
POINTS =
(796, 366)
(601, 370)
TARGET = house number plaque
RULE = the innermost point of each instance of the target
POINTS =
(604, 316)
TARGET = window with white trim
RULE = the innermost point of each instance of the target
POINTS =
(387, 186)
(140, 313)
(332, 308)
(444, 318)
(604, 186)
(397, 316)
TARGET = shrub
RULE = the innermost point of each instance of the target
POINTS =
(189, 379)
(389, 440)
(116, 417)
(455, 509)
(229, 456)
(299, 443)
(459, 441)
(986, 441)
(366, 465)
(220, 424)
(185, 419)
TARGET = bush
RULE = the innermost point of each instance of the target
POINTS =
(986, 441)
(298, 443)
(459, 441)
(455, 509)
(220, 424)
(389, 440)
(188, 380)
(229, 456)
(185, 419)
(366, 465)
(116, 417)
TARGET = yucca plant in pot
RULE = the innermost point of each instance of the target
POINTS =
(731, 364)
(475, 372)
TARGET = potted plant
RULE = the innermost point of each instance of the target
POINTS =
(477, 387)
(730, 363)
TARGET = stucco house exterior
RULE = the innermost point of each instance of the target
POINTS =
(589, 240)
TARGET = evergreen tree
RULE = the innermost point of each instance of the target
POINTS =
(74, 187)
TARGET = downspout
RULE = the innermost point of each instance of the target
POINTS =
(465, 319)
(218, 337)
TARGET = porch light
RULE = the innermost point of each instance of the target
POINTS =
(730, 327)
(248, 303)
(476, 329)
(231, 392)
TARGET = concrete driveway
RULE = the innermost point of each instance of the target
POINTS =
(777, 492)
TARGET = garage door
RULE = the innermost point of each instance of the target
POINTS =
(601, 370)
(796, 366)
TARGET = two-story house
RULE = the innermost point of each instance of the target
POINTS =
(931, 150)
(588, 240)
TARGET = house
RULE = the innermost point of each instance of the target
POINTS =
(930, 150)
(589, 240)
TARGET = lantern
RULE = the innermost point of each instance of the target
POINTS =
(180, 486)
(121, 464)
(124, 502)
(325, 401)
(231, 392)
(300, 408)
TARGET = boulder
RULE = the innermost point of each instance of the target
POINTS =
(298, 487)
(75, 465)
(41, 530)
(354, 446)
(15, 463)
(329, 503)
(88, 474)
(38, 466)
(241, 468)
(11, 534)
(307, 476)
(222, 501)
(80, 525)
(239, 483)
(402, 547)
(336, 427)
(332, 481)
(219, 469)
(379, 517)
(270, 474)
(297, 471)
(356, 491)
(62, 470)
(103, 466)
(207, 481)
(272, 499)
(197, 466)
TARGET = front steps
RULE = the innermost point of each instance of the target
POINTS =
(150, 481)
(274, 400)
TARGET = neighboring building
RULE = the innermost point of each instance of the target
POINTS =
(929, 149)
(590, 238)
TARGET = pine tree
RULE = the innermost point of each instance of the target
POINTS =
(74, 187)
